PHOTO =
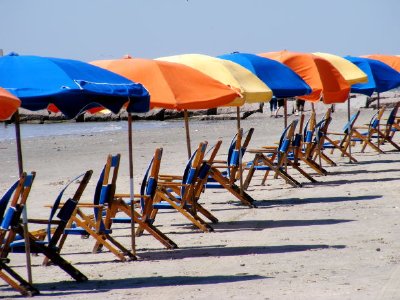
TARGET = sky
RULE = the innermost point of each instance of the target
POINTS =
(89, 30)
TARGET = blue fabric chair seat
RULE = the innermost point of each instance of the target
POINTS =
(82, 231)
(19, 246)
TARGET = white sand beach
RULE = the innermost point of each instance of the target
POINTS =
(338, 238)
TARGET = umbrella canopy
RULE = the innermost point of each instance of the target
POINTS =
(381, 77)
(324, 79)
(253, 90)
(350, 72)
(8, 104)
(70, 85)
(172, 85)
(281, 79)
(392, 61)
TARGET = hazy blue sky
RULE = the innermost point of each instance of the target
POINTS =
(100, 29)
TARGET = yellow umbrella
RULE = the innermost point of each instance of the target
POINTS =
(229, 73)
(350, 72)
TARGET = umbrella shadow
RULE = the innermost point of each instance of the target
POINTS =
(99, 286)
(264, 224)
(221, 250)
(296, 201)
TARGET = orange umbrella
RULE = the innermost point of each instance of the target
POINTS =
(391, 60)
(323, 78)
(8, 104)
(172, 85)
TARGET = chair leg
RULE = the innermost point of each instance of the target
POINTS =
(17, 282)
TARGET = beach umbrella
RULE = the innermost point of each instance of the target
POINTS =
(392, 61)
(283, 82)
(173, 86)
(72, 86)
(350, 72)
(8, 104)
(381, 77)
(323, 78)
(252, 89)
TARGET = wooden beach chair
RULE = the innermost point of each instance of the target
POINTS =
(179, 192)
(313, 141)
(52, 233)
(87, 220)
(372, 130)
(119, 205)
(224, 174)
(11, 227)
(331, 140)
(273, 158)
(385, 132)
(20, 189)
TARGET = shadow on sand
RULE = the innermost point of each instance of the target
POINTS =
(222, 250)
(296, 201)
(99, 286)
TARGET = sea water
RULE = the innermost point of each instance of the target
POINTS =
(7, 132)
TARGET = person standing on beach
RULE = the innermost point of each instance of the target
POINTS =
(299, 106)
(281, 103)
(273, 105)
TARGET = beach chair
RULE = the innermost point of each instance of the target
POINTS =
(87, 224)
(372, 130)
(179, 192)
(11, 227)
(385, 132)
(225, 173)
(273, 158)
(119, 205)
(331, 140)
(295, 153)
(18, 190)
(313, 141)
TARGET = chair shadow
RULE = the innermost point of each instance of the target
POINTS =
(99, 286)
(296, 201)
(363, 171)
(364, 180)
(264, 224)
(221, 250)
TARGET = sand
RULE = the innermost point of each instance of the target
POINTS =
(335, 239)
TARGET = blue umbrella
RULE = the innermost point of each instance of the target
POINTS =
(73, 87)
(279, 78)
(70, 85)
(381, 77)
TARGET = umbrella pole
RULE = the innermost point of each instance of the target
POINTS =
(379, 100)
(131, 189)
(350, 129)
(24, 212)
(186, 117)
(240, 149)
(285, 111)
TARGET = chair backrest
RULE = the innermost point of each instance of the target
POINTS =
(149, 182)
(376, 119)
(393, 114)
(287, 137)
(236, 151)
(351, 122)
(65, 212)
(13, 213)
(391, 119)
(192, 169)
(205, 168)
(106, 185)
